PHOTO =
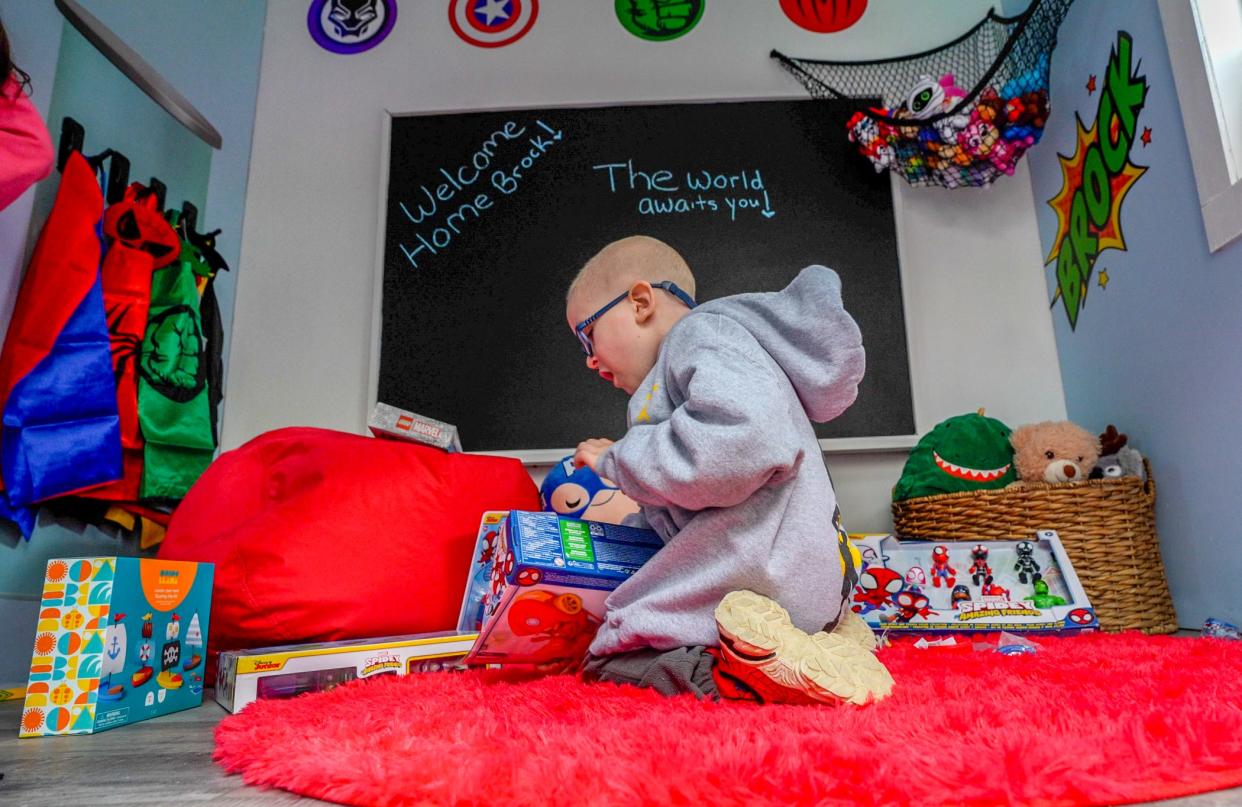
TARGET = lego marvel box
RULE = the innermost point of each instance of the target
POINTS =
(118, 640)
(398, 424)
(538, 583)
(244, 676)
(958, 586)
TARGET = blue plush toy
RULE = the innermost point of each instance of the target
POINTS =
(573, 491)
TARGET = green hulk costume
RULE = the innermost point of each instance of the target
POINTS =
(173, 397)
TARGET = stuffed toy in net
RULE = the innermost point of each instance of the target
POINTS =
(959, 115)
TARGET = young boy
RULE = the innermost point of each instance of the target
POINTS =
(723, 460)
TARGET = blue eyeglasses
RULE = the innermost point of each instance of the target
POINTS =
(580, 329)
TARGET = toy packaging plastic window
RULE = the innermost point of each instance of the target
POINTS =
(244, 676)
(958, 586)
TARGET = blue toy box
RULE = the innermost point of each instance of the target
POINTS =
(118, 640)
(538, 583)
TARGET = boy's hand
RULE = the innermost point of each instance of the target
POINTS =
(589, 450)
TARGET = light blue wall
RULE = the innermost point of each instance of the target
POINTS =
(210, 52)
(1155, 352)
(116, 114)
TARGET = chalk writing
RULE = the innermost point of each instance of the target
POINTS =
(731, 193)
(442, 211)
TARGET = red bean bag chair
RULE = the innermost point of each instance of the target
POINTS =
(319, 535)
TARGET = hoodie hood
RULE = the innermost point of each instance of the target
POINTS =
(805, 329)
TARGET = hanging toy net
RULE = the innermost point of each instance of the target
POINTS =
(959, 115)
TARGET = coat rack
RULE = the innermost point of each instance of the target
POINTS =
(73, 138)
(160, 190)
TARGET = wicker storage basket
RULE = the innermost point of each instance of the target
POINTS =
(1108, 527)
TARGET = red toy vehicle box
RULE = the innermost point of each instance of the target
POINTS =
(262, 673)
(538, 584)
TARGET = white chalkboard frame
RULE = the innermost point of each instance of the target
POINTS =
(546, 456)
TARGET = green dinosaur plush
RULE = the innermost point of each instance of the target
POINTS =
(967, 452)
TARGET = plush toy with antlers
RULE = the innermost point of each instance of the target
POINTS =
(1117, 459)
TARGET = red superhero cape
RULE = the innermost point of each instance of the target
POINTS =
(142, 241)
(60, 431)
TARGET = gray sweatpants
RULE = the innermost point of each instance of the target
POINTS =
(669, 672)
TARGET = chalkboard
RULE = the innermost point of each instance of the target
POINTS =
(490, 215)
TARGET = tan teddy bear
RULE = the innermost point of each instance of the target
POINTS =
(1054, 451)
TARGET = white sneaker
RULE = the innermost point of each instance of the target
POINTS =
(764, 657)
(855, 628)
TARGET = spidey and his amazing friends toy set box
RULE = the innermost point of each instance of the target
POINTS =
(118, 640)
(538, 583)
(244, 676)
(926, 586)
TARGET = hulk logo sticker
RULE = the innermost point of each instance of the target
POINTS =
(1096, 180)
(172, 357)
(659, 20)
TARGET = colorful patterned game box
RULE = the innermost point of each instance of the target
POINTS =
(118, 640)
(538, 582)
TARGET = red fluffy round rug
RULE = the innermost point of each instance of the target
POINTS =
(1097, 719)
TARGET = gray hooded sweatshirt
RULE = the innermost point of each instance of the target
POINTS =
(723, 460)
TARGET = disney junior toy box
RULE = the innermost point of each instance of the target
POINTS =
(538, 583)
(118, 640)
(262, 673)
(959, 586)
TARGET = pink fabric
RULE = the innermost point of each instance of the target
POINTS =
(26, 154)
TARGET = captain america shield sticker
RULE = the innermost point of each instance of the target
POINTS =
(492, 23)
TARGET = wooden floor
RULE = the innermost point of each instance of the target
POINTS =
(167, 761)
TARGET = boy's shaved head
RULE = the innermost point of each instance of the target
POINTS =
(622, 263)
(625, 339)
